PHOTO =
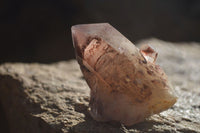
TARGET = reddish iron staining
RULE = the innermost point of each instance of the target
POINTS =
(150, 72)
(110, 50)
(149, 50)
(158, 69)
(145, 93)
(135, 82)
(140, 72)
(155, 81)
(138, 100)
(97, 62)
(151, 67)
(83, 49)
(145, 87)
(91, 38)
(159, 82)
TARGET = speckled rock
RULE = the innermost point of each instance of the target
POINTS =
(54, 98)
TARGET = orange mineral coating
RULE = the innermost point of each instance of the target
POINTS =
(126, 84)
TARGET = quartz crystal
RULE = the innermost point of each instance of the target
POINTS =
(126, 85)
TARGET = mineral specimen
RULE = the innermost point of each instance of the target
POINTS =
(126, 84)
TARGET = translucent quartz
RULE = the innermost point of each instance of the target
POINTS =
(126, 84)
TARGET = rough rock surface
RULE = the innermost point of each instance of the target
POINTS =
(54, 98)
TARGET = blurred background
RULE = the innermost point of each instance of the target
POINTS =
(40, 30)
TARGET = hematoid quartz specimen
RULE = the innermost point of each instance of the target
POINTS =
(126, 84)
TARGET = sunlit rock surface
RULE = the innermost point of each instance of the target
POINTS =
(55, 97)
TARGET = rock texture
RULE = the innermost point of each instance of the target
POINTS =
(54, 98)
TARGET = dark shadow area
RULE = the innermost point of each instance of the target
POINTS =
(4, 127)
(40, 30)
